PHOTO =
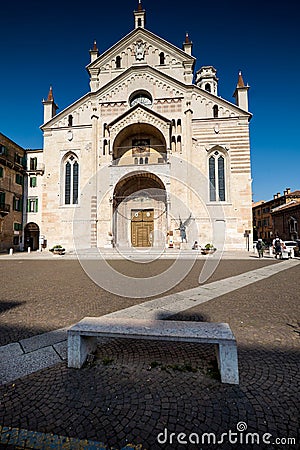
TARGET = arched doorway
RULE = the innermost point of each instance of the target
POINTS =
(31, 236)
(140, 211)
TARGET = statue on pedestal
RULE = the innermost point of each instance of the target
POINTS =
(182, 228)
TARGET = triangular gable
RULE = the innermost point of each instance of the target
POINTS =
(116, 84)
(139, 114)
(131, 38)
(171, 83)
(178, 88)
(140, 111)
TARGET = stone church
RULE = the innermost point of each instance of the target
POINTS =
(150, 157)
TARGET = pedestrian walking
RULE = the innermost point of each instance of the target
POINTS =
(260, 246)
(277, 245)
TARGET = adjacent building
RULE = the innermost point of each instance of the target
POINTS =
(277, 216)
(35, 169)
(150, 147)
(12, 177)
(286, 219)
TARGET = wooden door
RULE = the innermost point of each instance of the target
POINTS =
(142, 225)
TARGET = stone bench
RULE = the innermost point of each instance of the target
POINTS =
(82, 338)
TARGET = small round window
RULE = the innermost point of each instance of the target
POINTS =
(142, 97)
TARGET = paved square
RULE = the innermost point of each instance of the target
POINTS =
(138, 391)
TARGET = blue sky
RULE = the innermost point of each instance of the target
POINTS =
(45, 43)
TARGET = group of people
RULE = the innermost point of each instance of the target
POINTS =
(277, 245)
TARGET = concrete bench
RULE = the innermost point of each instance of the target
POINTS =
(82, 338)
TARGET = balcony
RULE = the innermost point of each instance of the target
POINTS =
(10, 160)
(38, 168)
(118, 171)
(4, 209)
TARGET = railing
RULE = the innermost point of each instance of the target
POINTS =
(39, 167)
(140, 161)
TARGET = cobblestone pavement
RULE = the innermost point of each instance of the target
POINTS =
(136, 391)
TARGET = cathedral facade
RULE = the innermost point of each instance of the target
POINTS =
(150, 157)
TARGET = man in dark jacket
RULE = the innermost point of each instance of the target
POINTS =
(260, 246)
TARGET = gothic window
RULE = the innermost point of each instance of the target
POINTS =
(71, 180)
(212, 179)
(207, 87)
(139, 22)
(161, 58)
(75, 182)
(70, 120)
(216, 173)
(221, 178)
(216, 111)
(118, 62)
(146, 160)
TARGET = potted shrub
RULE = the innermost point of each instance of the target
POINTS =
(209, 248)
(57, 250)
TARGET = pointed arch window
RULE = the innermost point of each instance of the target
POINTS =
(162, 58)
(216, 173)
(207, 87)
(71, 180)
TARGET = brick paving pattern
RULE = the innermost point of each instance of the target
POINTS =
(133, 391)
